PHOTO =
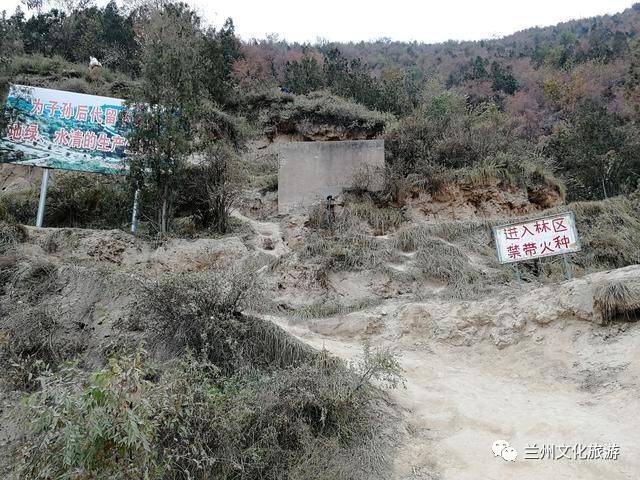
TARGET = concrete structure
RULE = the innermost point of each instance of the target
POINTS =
(309, 171)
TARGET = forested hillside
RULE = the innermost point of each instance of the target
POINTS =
(221, 339)
(566, 95)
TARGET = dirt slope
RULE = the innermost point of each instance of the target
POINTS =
(524, 364)
(532, 368)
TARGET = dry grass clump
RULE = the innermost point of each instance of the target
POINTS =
(9, 237)
(380, 219)
(443, 252)
(347, 252)
(470, 235)
(352, 238)
(307, 115)
(358, 213)
(617, 300)
(329, 308)
(529, 173)
(610, 232)
(445, 262)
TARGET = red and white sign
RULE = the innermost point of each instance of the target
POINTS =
(543, 237)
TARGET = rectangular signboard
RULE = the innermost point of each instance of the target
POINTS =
(543, 237)
(66, 130)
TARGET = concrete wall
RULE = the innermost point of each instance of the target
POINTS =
(309, 171)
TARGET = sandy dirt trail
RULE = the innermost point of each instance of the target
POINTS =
(567, 384)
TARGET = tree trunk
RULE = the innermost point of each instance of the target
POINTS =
(163, 212)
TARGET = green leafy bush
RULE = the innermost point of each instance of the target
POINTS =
(104, 429)
(317, 418)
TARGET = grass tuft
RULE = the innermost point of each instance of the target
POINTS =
(617, 301)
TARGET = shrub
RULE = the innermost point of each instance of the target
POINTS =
(298, 419)
(74, 200)
(202, 312)
(350, 251)
(77, 85)
(10, 235)
(30, 345)
(445, 262)
(45, 66)
(78, 200)
(208, 190)
(19, 207)
(609, 232)
(319, 418)
(325, 114)
(102, 430)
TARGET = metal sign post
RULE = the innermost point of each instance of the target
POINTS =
(44, 185)
(567, 266)
(134, 214)
(516, 270)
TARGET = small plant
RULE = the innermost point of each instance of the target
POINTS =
(102, 430)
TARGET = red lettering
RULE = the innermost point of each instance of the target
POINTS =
(529, 249)
(90, 140)
(118, 141)
(542, 226)
(38, 107)
(96, 114)
(103, 143)
(526, 230)
(67, 111)
(76, 138)
(110, 117)
(546, 248)
(53, 106)
(558, 225)
(61, 137)
(31, 133)
(561, 242)
(514, 251)
(81, 113)
(15, 132)
(511, 233)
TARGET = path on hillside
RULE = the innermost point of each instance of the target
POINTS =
(568, 382)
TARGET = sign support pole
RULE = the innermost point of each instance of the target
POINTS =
(44, 185)
(567, 266)
(134, 214)
(516, 269)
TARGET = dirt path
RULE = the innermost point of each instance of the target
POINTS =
(268, 235)
(569, 382)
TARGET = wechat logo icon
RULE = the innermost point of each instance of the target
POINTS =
(501, 448)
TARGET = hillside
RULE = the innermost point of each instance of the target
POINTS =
(384, 340)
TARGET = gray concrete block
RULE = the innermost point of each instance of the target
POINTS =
(309, 171)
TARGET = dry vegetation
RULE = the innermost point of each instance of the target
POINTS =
(616, 301)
